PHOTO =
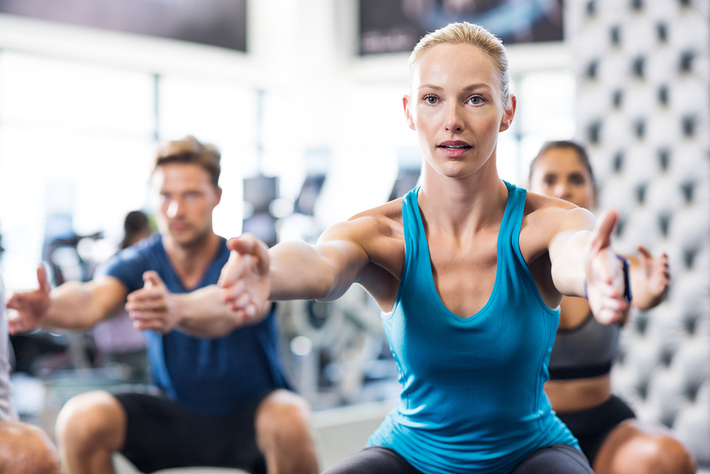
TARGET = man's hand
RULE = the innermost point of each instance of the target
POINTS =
(650, 278)
(605, 285)
(245, 276)
(151, 307)
(28, 308)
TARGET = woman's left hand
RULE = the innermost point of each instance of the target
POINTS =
(605, 282)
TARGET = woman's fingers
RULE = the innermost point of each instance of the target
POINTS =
(601, 235)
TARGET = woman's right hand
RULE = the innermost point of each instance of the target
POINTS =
(245, 277)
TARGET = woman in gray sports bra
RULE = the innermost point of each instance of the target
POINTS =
(580, 386)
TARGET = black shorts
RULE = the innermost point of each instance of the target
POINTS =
(555, 459)
(163, 434)
(591, 427)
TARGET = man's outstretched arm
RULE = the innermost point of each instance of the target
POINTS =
(199, 313)
(72, 305)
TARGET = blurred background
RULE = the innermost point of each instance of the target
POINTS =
(303, 98)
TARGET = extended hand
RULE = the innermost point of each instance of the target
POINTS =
(245, 276)
(605, 275)
(29, 307)
(651, 280)
(151, 307)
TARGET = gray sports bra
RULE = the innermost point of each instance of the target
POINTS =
(585, 351)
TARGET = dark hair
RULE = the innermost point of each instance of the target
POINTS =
(190, 150)
(135, 225)
(552, 145)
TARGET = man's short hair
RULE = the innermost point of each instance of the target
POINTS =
(190, 150)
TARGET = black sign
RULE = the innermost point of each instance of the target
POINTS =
(391, 26)
(214, 22)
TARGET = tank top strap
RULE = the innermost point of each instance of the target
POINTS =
(416, 248)
(513, 219)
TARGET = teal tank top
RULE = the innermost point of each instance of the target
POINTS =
(472, 397)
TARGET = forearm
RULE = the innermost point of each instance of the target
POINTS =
(74, 305)
(567, 256)
(302, 271)
(203, 313)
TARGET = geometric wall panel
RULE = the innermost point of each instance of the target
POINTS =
(643, 111)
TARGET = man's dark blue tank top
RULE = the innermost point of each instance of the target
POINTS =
(209, 376)
(472, 397)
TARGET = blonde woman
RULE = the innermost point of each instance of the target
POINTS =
(468, 271)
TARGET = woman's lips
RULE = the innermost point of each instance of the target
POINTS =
(454, 148)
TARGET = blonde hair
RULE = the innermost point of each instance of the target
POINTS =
(467, 33)
(190, 150)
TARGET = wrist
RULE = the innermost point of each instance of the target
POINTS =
(178, 306)
(627, 279)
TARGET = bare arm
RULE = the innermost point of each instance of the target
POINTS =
(73, 305)
(583, 264)
(293, 270)
(199, 313)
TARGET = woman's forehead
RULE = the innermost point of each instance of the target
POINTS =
(461, 62)
(561, 159)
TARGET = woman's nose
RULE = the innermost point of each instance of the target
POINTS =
(454, 124)
(561, 191)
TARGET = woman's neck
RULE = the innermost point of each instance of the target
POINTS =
(462, 205)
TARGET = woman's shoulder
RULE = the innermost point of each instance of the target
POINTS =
(546, 210)
(369, 226)
(391, 209)
(546, 217)
(379, 233)
(538, 202)
(381, 217)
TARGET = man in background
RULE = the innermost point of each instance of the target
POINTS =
(221, 397)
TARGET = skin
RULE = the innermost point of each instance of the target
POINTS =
(91, 426)
(27, 449)
(632, 447)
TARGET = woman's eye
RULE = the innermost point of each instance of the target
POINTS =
(576, 180)
(476, 100)
(430, 99)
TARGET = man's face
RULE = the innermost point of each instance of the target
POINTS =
(187, 199)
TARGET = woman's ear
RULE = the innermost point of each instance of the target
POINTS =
(508, 113)
(407, 113)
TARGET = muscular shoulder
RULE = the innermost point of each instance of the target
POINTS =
(377, 233)
(544, 218)
(370, 227)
